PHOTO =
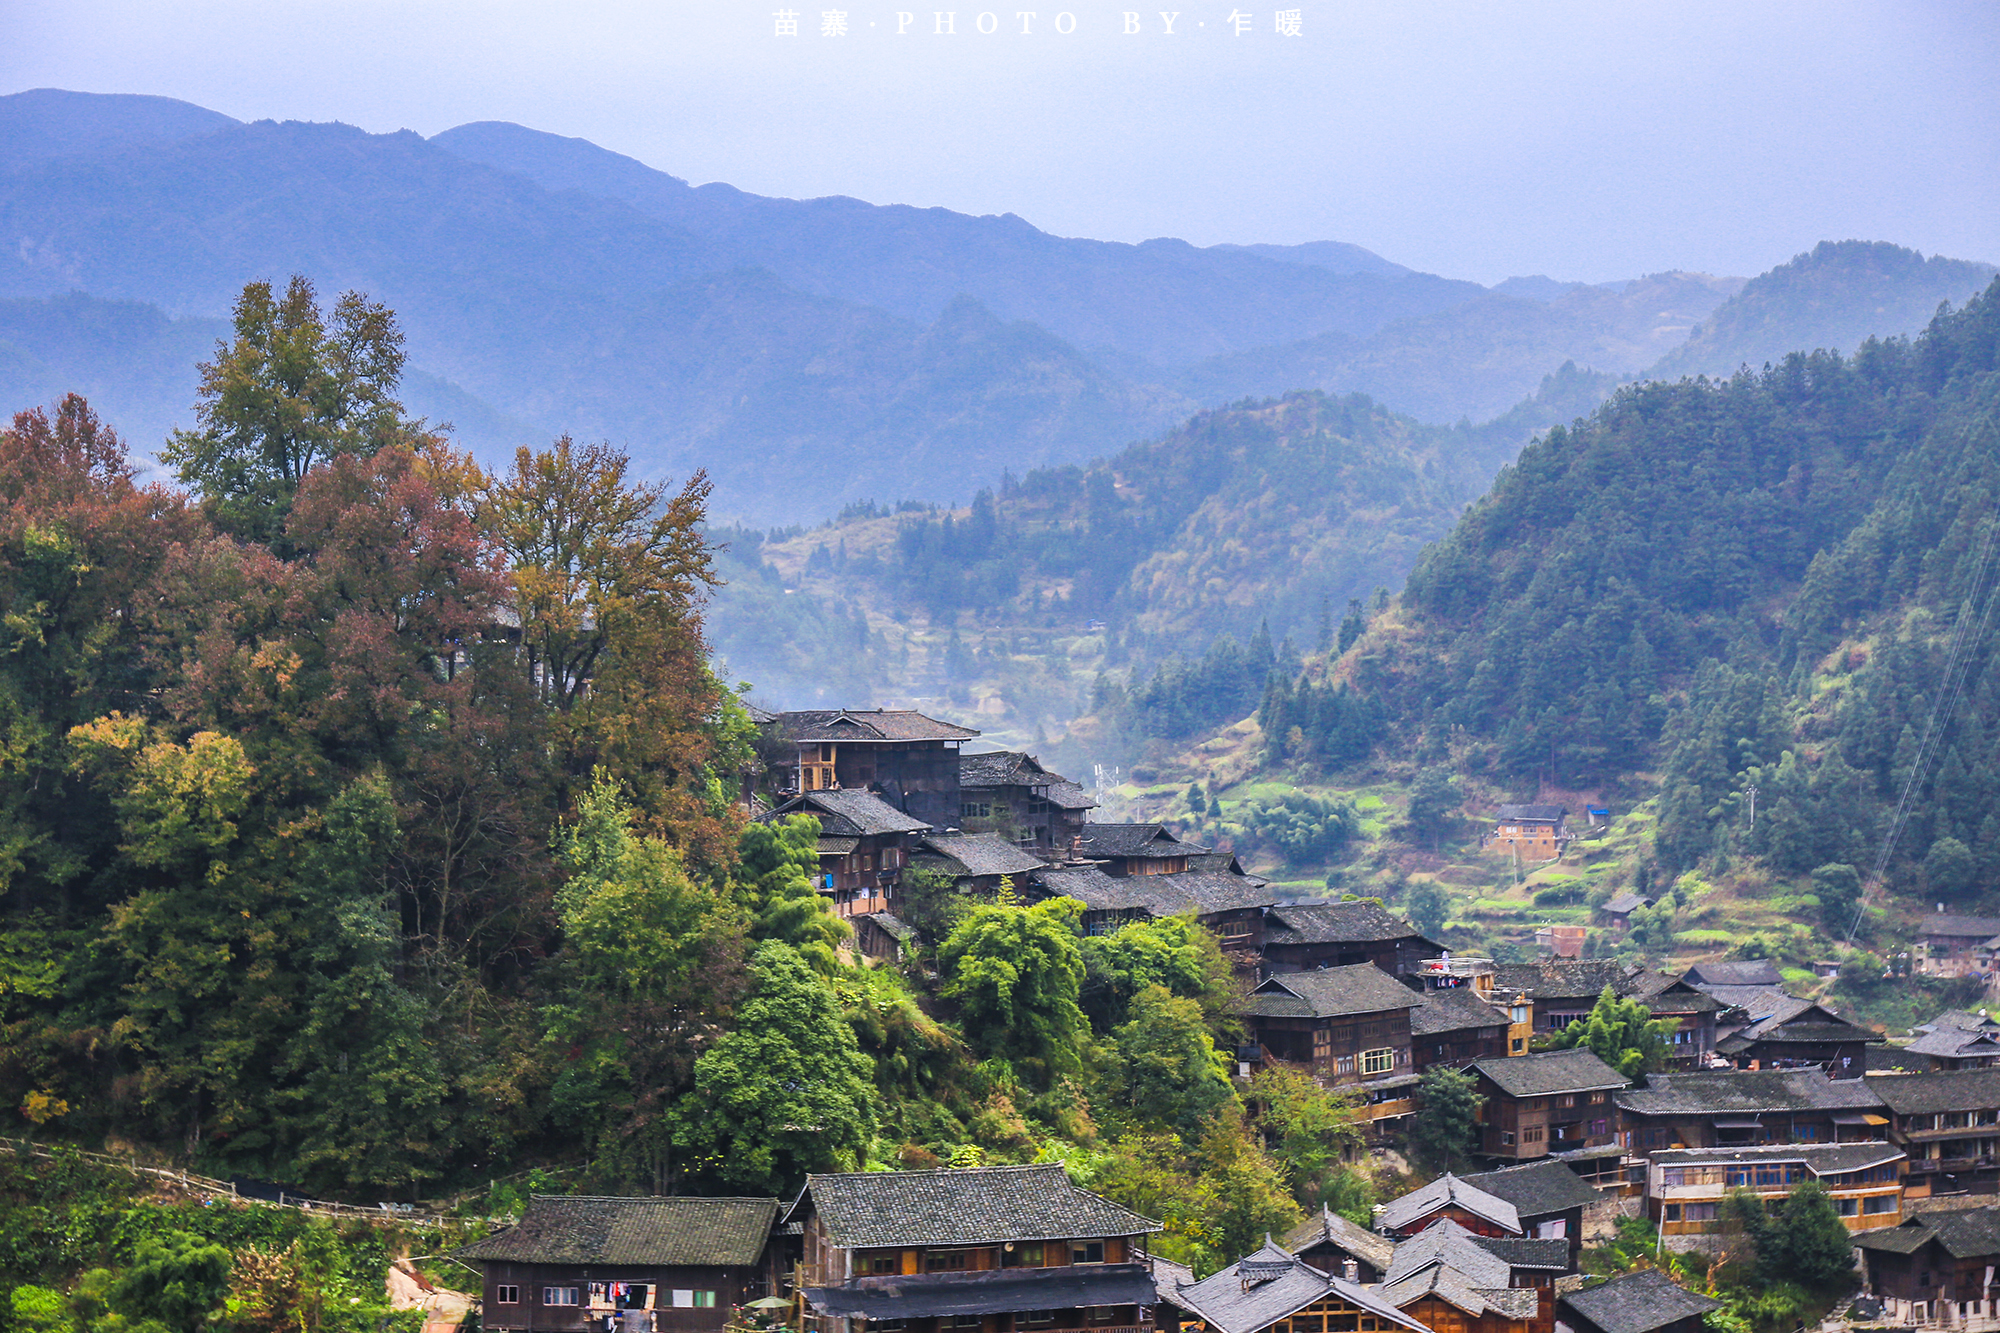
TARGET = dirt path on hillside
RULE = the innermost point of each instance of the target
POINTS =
(443, 1310)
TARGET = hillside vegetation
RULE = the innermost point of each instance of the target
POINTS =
(1257, 513)
(1783, 581)
(375, 823)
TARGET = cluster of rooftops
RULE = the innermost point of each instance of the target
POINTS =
(1023, 1248)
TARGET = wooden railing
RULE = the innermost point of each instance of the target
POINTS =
(194, 1183)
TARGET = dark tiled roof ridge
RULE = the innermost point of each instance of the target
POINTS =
(1358, 988)
(1637, 1302)
(963, 1205)
(809, 724)
(1453, 1011)
(1536, 1188)
(1357, 922)
(668, 1229)
(1576, 1069)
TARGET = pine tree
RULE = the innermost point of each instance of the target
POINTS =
(1445, 1133)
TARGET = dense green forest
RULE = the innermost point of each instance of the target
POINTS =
(1780, 582)
(1259, 514)
(1782, 579)
(1142, 566)
(372, 823)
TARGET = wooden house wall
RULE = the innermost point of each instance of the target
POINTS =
(1844, 1059)
(1322, 1043)
(1541, 1125)
(924, 774)
(1442, 1316)
(1389, 955)
(1017, 814)
(1460, 1046)
(1240, 932)
(1930, 1274)
(732, 1286)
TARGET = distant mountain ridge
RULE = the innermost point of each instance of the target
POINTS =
(1835, 296)
(809, 353)
(44, 124)
(1163, 301)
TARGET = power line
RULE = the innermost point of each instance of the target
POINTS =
(1957, 659)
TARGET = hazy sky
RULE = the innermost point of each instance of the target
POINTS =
(1593, 140)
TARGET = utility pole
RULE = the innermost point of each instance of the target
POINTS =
(1751, 792)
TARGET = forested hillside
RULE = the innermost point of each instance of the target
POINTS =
(1836, 296)
(1191, 567)
(1782, 581)
(1262, 514)
(373, 823)
(1480, 357)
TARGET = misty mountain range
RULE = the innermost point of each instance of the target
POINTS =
(807, 352)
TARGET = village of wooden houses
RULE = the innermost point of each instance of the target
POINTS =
(1762, 1092)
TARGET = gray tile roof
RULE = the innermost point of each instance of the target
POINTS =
(867, 724)
(1336, 923)
(1123, 840)
(1965, 1233)
(1743, 972)
(999, 1291)
(1778, 1017)
(1331, 1228)
(1448, 1284)
(1453, 1011)
(1959, 1020)
(1011, 768)
(1105, 893)
(1894, 1059)
(1637, 1303)
(1210, 891)
(1531, 812)
(1540, 1075)
(981, 853)
(1563, 978)
(581, 1229)
(1954, 1045)
(1069, 796)
(1537, 1189)
(1665, 994)
(1447, 1190)
(1958, 925)
(1276, 1285)
(850, 813)
(892, 925)
(1536, 1252)
(1002, 768)
(1748, 1092)
(1824, 1159)
(970, 1206)
(1446, 1243)
(1330, 993)
(1626, 903)
(1168, 1276)
(1738, 997)
(1928, 1094)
